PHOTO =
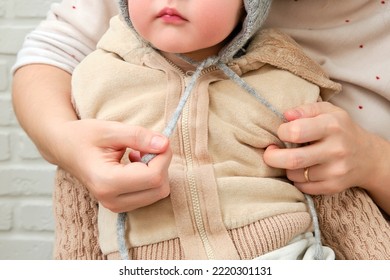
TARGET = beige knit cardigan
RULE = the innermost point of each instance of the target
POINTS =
(350, 223)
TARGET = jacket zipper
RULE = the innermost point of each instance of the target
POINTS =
(195, 202)
(192, 182)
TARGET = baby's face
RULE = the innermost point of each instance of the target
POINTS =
(196, 28)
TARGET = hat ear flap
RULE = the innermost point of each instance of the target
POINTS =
(256, 14)
(124, 10)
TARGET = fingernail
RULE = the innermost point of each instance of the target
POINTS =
(157, 142)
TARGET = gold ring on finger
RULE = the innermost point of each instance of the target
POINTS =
(306, 174)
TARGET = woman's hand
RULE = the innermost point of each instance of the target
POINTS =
(339, 154)
(92, 151)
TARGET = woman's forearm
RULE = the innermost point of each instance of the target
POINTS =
(41, 100)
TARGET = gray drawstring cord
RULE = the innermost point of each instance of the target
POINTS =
(319, 251)
(121, 221)
(121, 234)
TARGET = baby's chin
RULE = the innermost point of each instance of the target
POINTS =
(195, 55)
(174, 49)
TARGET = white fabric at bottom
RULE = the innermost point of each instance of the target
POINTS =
(300, 248)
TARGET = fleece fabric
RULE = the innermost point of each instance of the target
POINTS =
(218, 179)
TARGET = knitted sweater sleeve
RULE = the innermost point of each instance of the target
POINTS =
(69, 32)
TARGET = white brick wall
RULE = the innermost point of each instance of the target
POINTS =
(26, 180)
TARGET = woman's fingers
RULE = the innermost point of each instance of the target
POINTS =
(295, 158)
(135, 137)
(149, 183)
(96, 157)
(310, 111)
(332, 149)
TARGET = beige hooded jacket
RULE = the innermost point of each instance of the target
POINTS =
(225, 203)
